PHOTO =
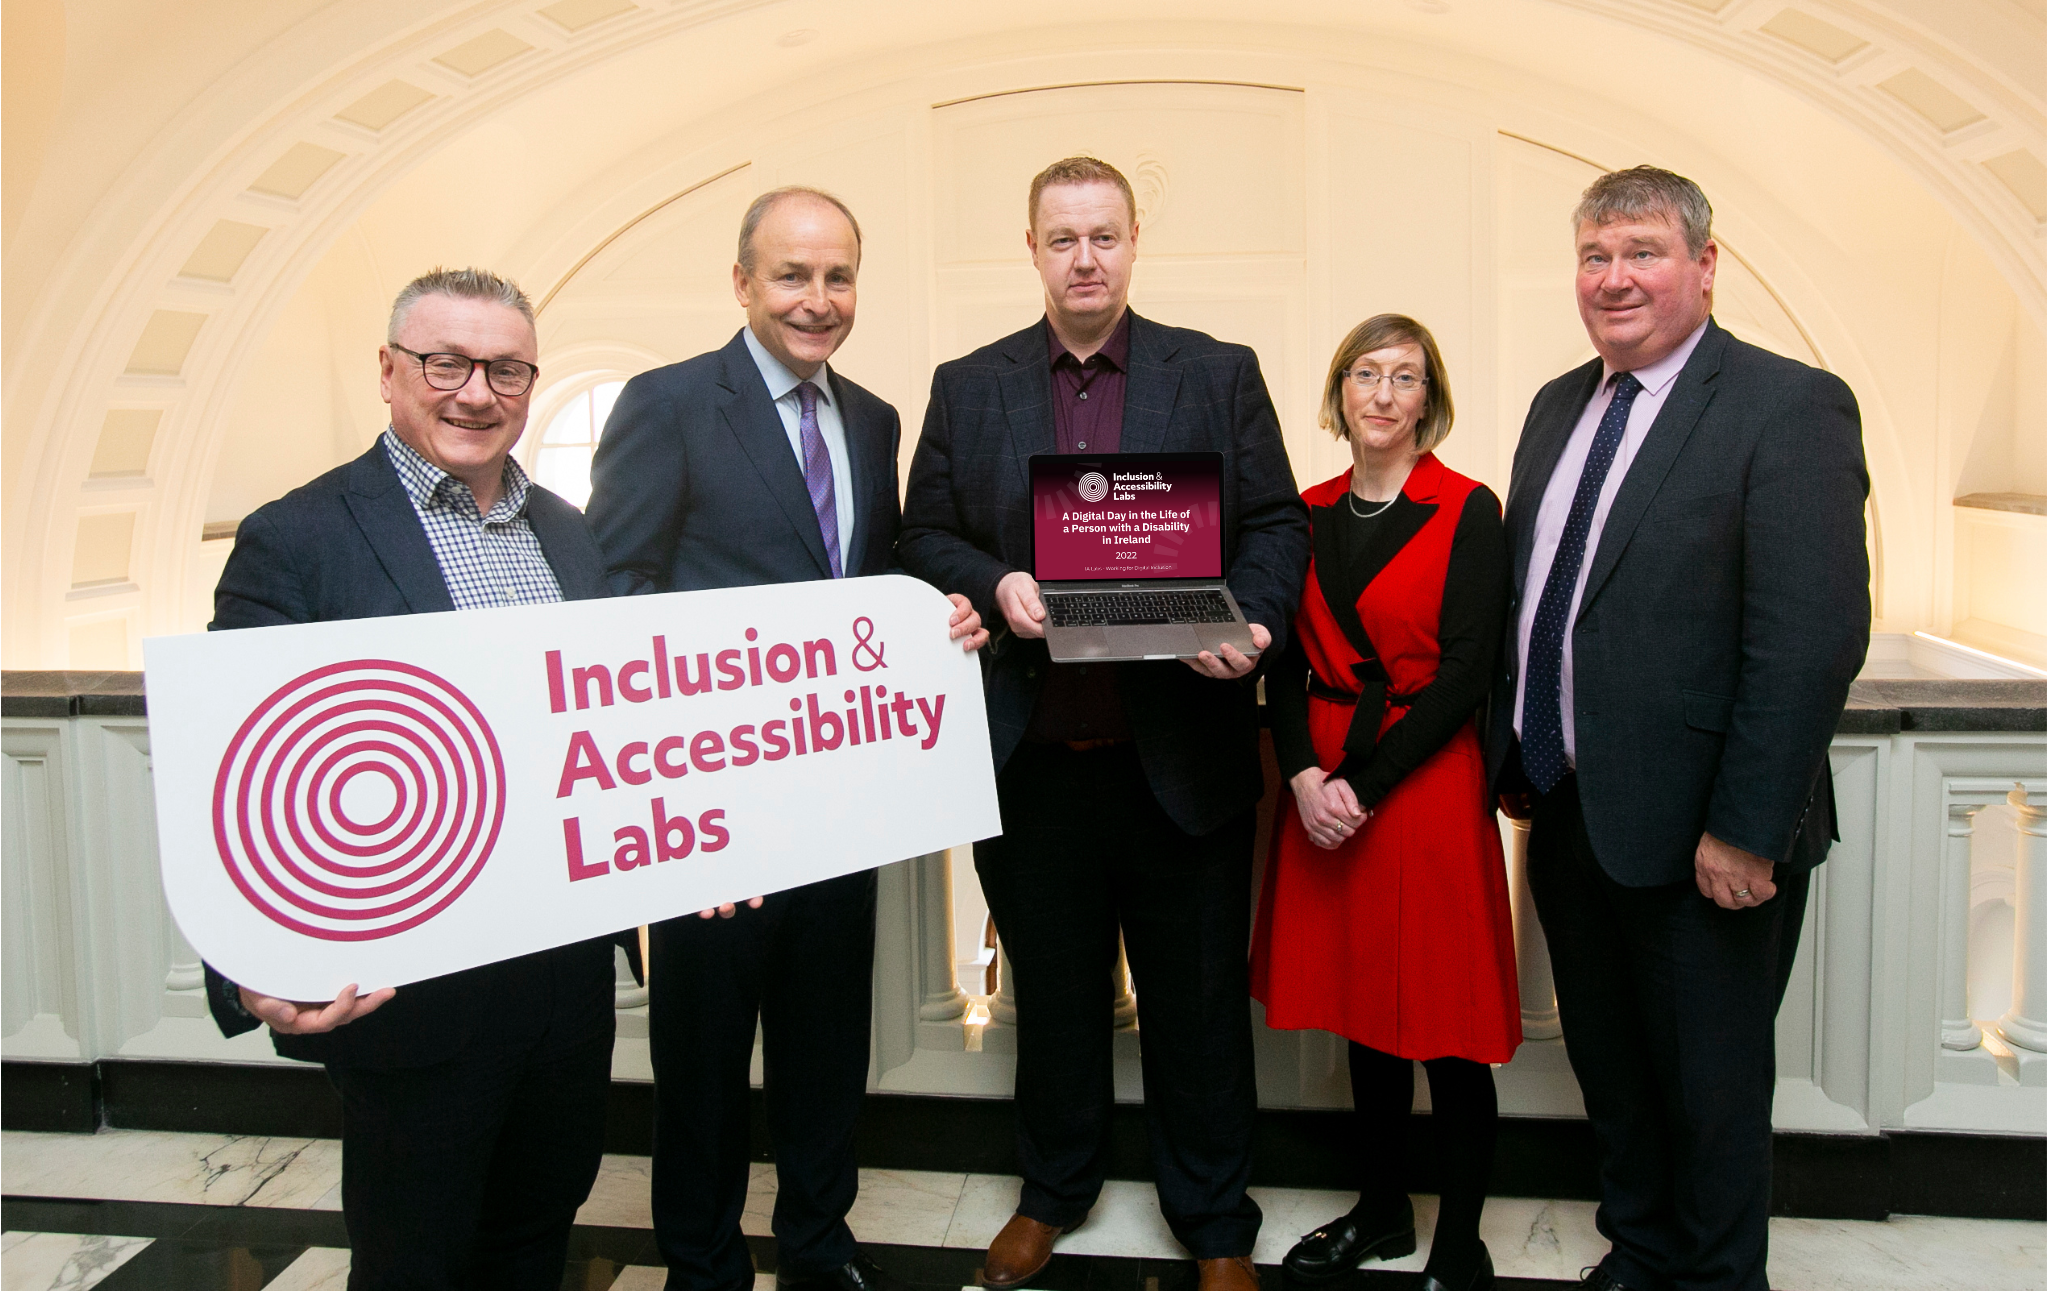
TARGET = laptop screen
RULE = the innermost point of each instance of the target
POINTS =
(1126, 516)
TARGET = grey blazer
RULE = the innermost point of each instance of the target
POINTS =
(1726, 611)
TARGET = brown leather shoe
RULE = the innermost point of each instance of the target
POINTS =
(1235, 1274)
(1022, 1249)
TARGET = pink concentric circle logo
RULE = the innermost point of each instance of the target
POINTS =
(359, 800)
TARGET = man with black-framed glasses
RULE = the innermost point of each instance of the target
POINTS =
(472, 1104)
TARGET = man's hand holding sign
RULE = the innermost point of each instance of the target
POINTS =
(377, 803)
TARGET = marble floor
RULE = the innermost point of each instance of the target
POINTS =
(125, 1209)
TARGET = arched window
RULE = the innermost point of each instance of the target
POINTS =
(563, 462)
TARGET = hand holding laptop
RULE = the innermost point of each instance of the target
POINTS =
(1231, 664)
(1017, 598)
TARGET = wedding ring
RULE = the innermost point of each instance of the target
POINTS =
(1743, 892)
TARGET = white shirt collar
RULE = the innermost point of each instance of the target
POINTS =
(781, 380)
(1654, 376)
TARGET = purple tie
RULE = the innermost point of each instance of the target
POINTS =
(818, 474)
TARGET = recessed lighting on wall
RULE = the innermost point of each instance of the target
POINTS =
(383, 105)
(801, 36)
(1945, 109)
(575, 15)
(475, 57)
(1814, 36)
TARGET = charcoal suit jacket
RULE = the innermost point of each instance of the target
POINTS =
(694, 484)
(1726, 611)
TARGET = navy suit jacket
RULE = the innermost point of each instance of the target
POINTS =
(350, 546)
(967, 523)
(1726, 611)
(694, 484)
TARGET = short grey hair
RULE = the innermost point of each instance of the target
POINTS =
(462, 284)
(750, 223)
(1642, 192)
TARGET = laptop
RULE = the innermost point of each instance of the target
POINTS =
(1127, 549)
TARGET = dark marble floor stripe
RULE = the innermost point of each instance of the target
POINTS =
(241, 1248)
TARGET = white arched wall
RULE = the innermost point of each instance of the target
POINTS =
(1886, 244)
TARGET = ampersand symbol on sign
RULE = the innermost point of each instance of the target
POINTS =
(863, 643)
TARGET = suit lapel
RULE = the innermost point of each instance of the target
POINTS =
(1026, 387)
(392, 528)
(1549, 434)
(1149, 390)
(750, 414)
(566, 544)
(868, 449)
(1690, 395)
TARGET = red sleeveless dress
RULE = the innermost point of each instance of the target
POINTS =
(1401, 939)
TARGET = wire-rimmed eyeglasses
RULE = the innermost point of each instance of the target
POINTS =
(508, 377)
(1403, 382)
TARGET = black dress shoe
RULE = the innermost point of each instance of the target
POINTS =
(858, 1274)
(1481, 1279)
(1332, 1253)
(1599, 1279)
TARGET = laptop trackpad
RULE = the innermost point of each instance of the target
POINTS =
(1172, 641)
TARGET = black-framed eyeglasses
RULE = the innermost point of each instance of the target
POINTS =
(1403, 382)
(508, 377)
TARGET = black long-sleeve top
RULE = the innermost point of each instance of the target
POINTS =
(1469, 631)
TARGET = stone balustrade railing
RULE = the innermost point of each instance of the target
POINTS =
(1918, 1000)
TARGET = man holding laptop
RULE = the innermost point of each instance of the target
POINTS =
(1122, 712)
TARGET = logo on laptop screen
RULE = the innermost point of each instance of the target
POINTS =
(1093, 487)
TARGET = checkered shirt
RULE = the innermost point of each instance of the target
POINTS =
(486, 560)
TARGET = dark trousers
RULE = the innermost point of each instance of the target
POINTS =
(1086, 852)
(1668, 1004)
(803, 965)
(468, 1173)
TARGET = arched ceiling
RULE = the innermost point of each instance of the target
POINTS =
(200, 158)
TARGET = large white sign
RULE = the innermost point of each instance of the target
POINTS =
(384, 800)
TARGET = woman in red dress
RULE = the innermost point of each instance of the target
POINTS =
(1384, 916)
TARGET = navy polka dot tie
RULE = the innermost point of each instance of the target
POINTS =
(1542, 717)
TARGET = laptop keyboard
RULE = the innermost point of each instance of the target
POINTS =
(1133, 609)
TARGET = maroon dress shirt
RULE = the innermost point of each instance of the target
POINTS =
(1079, 701)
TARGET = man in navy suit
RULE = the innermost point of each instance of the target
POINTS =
(1685, 531)
(472, 1104)
(757, 463)
(1127, 790)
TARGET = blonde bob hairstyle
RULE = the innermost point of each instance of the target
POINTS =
(1378, 333)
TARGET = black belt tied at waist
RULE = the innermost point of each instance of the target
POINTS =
(1371, 703)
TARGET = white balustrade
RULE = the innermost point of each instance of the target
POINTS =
(1532, 951)
(1957, 1031)
(1877, 1029)
(2025, 1024)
